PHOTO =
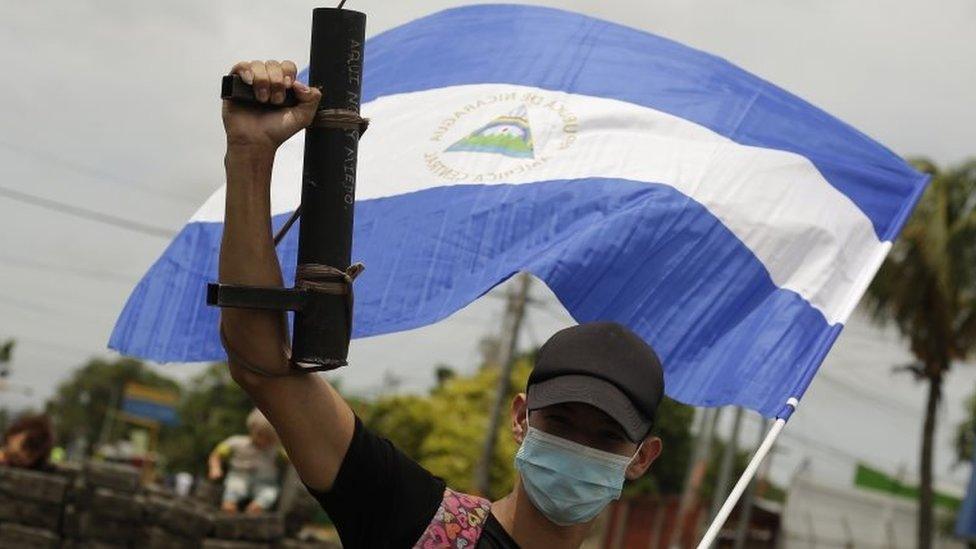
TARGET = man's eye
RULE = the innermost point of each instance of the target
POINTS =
(610, 435)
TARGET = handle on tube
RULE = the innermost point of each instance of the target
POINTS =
(234, 88)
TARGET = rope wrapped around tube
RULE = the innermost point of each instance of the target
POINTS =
(310, 277)
(325, 279)
(342, 119)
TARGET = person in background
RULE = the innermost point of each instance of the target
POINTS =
(27, 443)
(253, 466)
(182, 483)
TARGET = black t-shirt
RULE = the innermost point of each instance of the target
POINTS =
(383, 499)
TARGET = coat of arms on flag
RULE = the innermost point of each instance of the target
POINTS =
(509, 135)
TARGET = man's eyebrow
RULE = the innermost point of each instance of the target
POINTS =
(612, 425)
(558, 408)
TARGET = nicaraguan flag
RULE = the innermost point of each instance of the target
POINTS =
(731, 224)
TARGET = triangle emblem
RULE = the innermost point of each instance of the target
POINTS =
(508, 135)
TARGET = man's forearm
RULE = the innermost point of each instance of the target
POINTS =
(314, 423)
(247, 254)
(247, 250)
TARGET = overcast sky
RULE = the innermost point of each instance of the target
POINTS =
(111, 106)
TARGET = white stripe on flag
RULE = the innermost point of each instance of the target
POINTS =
(811, 238)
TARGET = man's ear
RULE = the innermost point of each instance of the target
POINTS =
(649, 451)
(519, 408)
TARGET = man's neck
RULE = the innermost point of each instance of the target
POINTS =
(530, 528)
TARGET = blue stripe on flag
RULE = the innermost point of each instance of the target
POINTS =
(643, 254)
(565, 51)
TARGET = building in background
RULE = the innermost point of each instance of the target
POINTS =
(877, 511)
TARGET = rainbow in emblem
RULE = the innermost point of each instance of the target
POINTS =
(509, 135)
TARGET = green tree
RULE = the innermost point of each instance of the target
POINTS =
(443, 430)
(6, 355)
(667, 475)
(4, 420)
(81, 403)
(213, 407)
(966, 432)
(927, 289)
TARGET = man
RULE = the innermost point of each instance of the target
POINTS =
(583, 425)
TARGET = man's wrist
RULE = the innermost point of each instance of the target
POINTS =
(249, 165)
(249, 152)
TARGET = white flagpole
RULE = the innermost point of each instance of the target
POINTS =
(723, 514)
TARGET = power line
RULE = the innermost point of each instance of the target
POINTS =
(84, 213)
(893, 405)
(42, 307)
(840, 453)
(24, 304)
(93, 274)
(47, 345)
(93, 173)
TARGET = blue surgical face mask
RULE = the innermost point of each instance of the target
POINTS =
(568, 482)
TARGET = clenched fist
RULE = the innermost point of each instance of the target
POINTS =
(269, 128)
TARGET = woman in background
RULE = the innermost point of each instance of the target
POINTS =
(27, 443)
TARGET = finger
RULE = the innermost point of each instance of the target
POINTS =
(306, 94)
(290, 71)
(243, 68)
(308, 102)
(262, 84)
(277, 81)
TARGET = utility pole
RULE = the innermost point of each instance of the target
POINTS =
(728, 460)
(695, 476)
(512, 324)
(745, 514)
(108, 420)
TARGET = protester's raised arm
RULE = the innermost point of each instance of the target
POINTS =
(314, 423)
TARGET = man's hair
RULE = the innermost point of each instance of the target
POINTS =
(39, 439)
(257, 422)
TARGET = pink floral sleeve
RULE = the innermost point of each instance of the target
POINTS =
(457, 523)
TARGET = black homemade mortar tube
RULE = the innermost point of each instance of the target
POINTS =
(321, 330)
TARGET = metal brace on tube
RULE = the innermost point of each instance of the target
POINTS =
(322, 298)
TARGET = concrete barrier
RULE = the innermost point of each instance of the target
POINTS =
(100, 505)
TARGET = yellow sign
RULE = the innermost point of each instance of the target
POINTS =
(138, 391)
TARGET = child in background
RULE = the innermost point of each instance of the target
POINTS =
(252, 466)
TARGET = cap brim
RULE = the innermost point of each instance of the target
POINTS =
(596, 392)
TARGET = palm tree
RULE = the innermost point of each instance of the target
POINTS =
(927, 289)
